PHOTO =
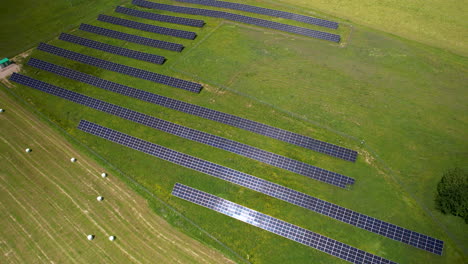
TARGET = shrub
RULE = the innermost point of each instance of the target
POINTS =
(452, 193)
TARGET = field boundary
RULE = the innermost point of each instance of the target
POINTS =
(136, 185)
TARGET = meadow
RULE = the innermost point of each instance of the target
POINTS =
(399, 103)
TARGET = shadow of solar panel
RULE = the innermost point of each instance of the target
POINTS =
(147, 27)
(275, 226)
(192, 109)
(240, 18)
(132, 38)
(188, 133)
(112, 49)
(162, 18)
(265, 11)
(111, 66)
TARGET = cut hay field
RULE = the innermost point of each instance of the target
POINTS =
(48, 205)
(399, 103)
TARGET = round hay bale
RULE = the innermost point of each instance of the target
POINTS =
(100, 198)
(104, 175)
(90, 237)
(2, 110)
(28, 150)
(73, 159)
(112, 238)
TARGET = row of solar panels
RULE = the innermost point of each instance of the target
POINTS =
(265, 11)
(188, 133)
(268, 223)
(240, 18)
(254, 183)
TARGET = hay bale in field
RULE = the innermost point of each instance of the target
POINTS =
(100, 198)
(112, 238)
(73, 159)
(28, 150)
(104, 175)
(90, 237)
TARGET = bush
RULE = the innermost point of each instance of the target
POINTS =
(452, 193)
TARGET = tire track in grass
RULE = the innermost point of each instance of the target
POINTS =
(39, 145)
(53, 203)
(59, 245)
(39, 172)
(64, 171)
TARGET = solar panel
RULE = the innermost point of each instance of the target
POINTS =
(276, 226)
(203, 112)
(240, 18)
(265, 11)
(163, 18)
(272, 189)
(111, 66)
(132, 38)
(191, 134)
(147, 27)
(112, 49)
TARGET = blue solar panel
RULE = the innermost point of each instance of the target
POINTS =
(147, 27)
(132, 38)
(163, 18)
(265, 11)
(274, 190)
(112, 49)
(203, 112)
(188, 133)
(276, 226)
(240, 18)
(111, 66)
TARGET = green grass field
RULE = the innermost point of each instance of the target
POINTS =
(400, 103)
(25, 23)
(49, 205)
(438, 23)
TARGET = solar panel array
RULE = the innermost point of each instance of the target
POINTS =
(163, 18)
(272, 189)
(203, 112)
(132, 38)
(112, 49)
(147, 27)
(276, 226)
(188, 133)
(240, 18)
(265, 11)
(146, 75)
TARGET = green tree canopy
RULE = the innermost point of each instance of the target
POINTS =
(452, 193)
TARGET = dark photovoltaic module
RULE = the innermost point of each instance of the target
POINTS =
(272, 189)
(276, 226)
(187, 133)
(147, 27)
(265, 11)
(163, 18)
(111, 66)
(112, 49)
(203, 112)
(240, 18)
(132, 38)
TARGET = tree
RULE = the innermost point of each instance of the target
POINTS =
(452, 193)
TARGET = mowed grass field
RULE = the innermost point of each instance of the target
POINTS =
(401, 104)
(48, 205)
